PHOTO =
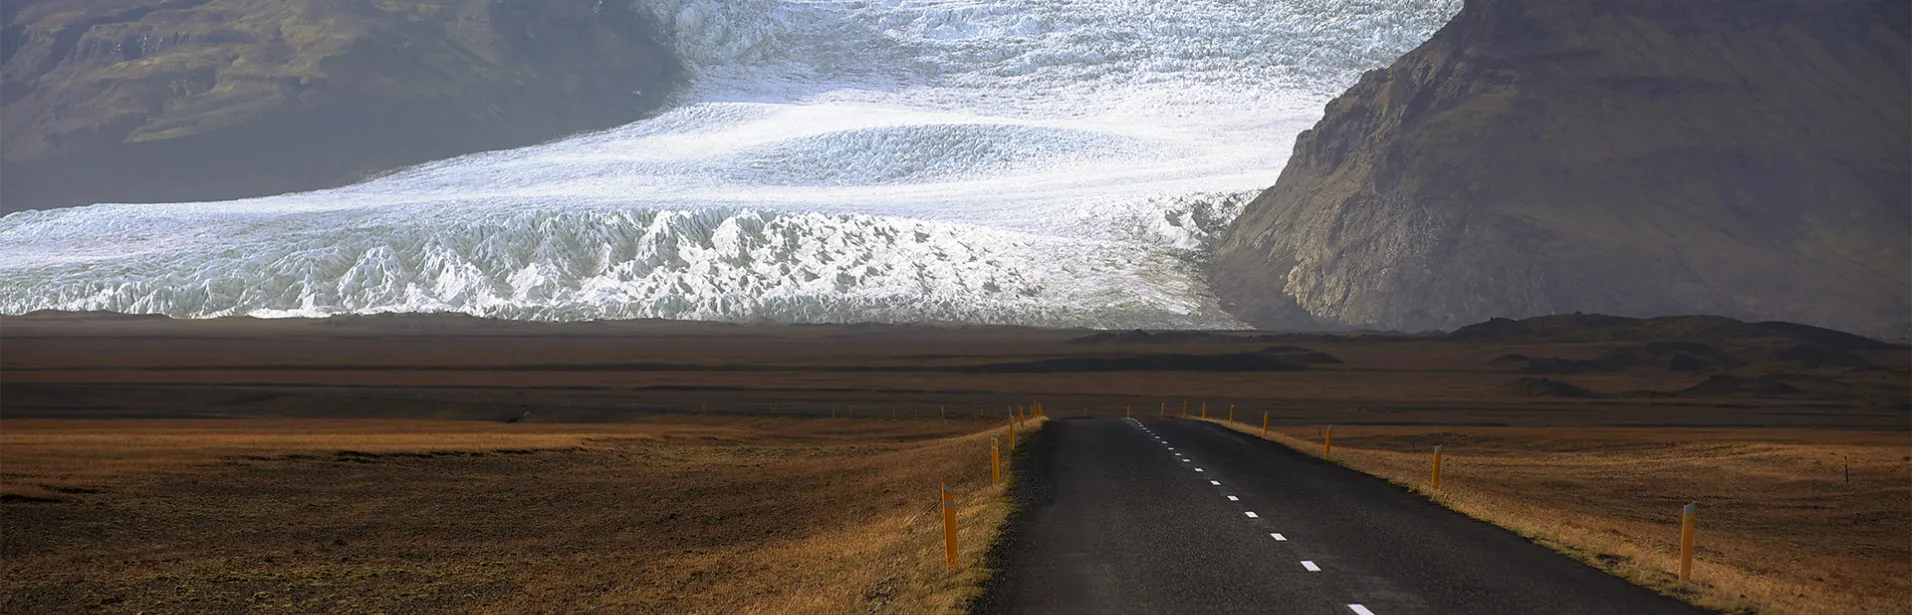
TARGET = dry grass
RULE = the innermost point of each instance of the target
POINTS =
(1779, 529)
(724, 515)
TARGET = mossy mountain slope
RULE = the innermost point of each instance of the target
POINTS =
(143, 101)
(1745, 158)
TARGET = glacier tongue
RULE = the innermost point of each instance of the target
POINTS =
(619, 263)
(1037, 162)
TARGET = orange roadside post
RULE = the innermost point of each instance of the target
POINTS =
(1686, 543)
(1204, 409)
(1184, 409)
(1162, 412)
(1327, 443)
(1231, 413)
(949, 527)
(995, 459)
(1437, 467)
(1012, 434)
(1264, 425)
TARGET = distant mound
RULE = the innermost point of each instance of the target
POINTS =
(1674, 356)
(1779, 384)
(1542, 387)
(1139, 336)
(1239, 362)
(1297, 354)
(1726, 385)
(1813, 355)
(1598, 328)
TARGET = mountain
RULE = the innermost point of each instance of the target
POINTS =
(1745, 158)
(144, 101)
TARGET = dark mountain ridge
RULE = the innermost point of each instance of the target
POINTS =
(184, 100)
(1746, 158)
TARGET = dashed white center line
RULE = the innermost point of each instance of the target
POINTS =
(1279, 536)
(1198, 469)
(1310, 566)
(1251, 515)
(1215, 482)
(1360, 610)
(1233, 499)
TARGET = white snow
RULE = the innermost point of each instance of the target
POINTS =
(1042, 162)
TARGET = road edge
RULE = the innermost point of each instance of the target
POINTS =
(1698, 598)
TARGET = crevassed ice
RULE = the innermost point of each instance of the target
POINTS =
(1040, 162)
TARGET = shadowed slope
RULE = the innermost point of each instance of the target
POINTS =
(1639, 158)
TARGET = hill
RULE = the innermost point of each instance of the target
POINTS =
(1740, 158)
(139, 101)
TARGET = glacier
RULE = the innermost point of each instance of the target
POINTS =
(1059, 163)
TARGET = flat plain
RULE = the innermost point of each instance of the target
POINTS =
(449, 463)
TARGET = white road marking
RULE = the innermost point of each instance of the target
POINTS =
(1233, 499)
(1360, 610)
(1215, 482)
(1198, 469)
(1279, 537)
(1251, 514)
(1310, 566)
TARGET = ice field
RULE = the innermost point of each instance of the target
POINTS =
(1038, 162)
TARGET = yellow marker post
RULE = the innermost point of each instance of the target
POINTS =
(1161, 412)
(1012, 434)
(1204, 409)
(949, 527)
(1184, 409)
(1231, 413)
(1437, 467)
(1125, 412)
(1686, 543)
(1264, 425)
(1327, 443)
(995, 459)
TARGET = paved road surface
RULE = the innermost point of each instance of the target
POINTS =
(1171, 516)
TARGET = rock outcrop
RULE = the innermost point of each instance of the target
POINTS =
(1746, 158)
(170, 100)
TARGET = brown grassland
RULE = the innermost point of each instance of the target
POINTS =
(716, 515)
(237, 465)
(1779, 528)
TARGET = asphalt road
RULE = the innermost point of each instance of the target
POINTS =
(1173, 516)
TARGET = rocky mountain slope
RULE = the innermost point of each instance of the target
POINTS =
(142, 100)
(1746, 158)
